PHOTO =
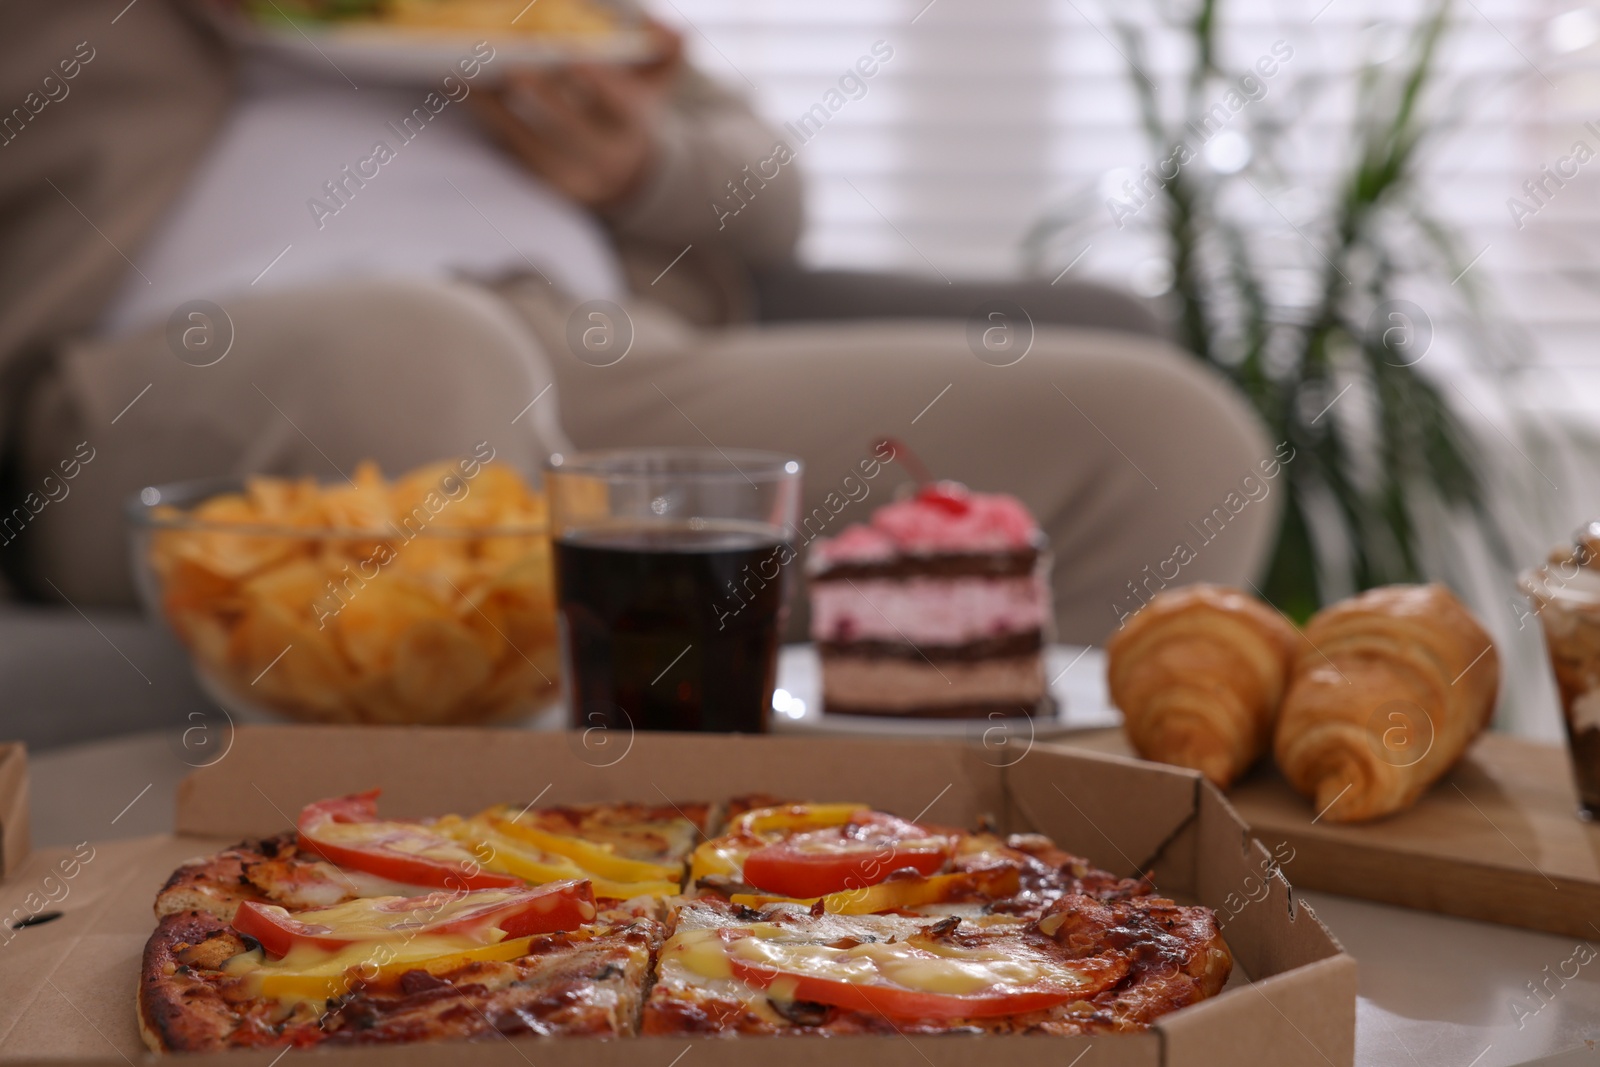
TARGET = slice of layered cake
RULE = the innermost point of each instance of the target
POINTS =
(939, 607)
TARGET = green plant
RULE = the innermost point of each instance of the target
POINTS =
(1361, 473)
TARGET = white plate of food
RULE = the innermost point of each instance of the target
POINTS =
(421, 41)
(1078, 686)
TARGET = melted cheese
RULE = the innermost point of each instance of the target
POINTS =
(389, 918)
(921, 964)
(411, 839)
(900, 893)
(371, 885)
(929, 967)
(795, 817)
(312, 973)
(300, 884)
(493, 841)
(700, 952)
(595, 858)
(722, 856)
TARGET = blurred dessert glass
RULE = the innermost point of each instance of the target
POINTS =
(1565, 595)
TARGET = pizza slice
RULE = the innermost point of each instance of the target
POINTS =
(1088, 966)
(341, 850)
(447, 965)
(854, 860)
(359, 928)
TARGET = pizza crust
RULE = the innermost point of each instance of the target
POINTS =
(180, 1009)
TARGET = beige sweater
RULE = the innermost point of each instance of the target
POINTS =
(106, 107)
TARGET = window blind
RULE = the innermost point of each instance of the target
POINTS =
(992, 114)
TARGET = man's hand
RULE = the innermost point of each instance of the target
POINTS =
(587, 129)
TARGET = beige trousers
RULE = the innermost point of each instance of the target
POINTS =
(1144, 468)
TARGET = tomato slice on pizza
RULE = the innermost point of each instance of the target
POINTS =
(347, 831)
(911, 980)
(860, 852)
(485, 915)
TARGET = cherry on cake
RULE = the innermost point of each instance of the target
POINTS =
(939, 607)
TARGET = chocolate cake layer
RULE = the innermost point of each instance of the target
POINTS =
(1020, 644)
(1045, 709)
(953, 565)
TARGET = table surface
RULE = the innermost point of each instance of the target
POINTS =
(1435, 991)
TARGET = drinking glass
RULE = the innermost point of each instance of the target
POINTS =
(1566, 597)
(672, 572)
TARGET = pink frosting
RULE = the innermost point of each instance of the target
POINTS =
(959, 522)
(857, 544)
(993, 522)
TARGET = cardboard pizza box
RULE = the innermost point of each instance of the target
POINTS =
(13, 808)
(67, 983)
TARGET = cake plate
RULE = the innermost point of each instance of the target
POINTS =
(1078, 684)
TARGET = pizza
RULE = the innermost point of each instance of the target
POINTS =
(757, 916)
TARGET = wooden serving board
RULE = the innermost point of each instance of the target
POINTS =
(1497, 839)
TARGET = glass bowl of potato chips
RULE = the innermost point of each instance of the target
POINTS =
(423, 599)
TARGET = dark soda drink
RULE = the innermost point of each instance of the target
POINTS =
(672, 627)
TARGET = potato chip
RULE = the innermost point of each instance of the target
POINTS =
(370, 623)
(300, 587)
(524, 624)
(437, 665)
(230, 556)
(276, 501)
(206, 634)
(188, 586)
(440, 563)
(516, 677)
(279, 658)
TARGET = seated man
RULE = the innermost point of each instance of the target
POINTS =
(219, 262)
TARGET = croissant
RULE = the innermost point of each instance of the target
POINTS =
(1388, 692)
(1199, 673)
